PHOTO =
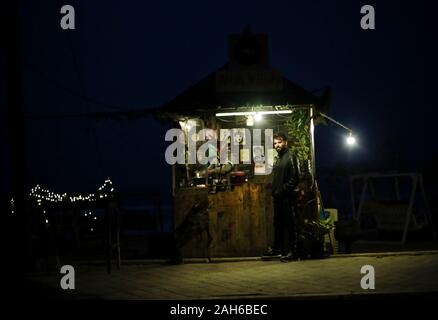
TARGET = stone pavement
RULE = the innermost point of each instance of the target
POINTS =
(401, 273)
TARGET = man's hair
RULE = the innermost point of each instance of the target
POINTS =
(280, 135)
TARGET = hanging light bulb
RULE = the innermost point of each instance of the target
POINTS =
(258, 117)
(351, 140)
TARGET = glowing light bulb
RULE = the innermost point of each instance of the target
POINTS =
(258, 117)
(351, 140)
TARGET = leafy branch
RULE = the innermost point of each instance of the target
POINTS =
(298, 126)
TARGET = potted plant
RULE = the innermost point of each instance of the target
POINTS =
(312, 237)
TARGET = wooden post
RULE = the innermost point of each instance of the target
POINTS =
(362, 198)
(353, 201)
(426, 205)
(108, 238)
(409, 211)
(173, 180)
(397, 189)
(117, 213)
(312, 145)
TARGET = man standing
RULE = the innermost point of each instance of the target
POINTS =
(284, 184)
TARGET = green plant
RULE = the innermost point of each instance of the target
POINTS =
(326, 225)
(317, 229)
(298, 128)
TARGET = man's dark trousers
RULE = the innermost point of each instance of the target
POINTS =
(284, 225)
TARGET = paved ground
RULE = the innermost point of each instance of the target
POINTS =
(397, 273)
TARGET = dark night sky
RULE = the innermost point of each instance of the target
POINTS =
(134, 54)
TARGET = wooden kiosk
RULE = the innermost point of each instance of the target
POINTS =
(233, 216)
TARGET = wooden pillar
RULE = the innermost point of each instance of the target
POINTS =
(108, 238)
(312, 144)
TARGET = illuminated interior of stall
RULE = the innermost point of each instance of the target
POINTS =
(237, 126)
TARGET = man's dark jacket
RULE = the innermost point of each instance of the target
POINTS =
(285, 175)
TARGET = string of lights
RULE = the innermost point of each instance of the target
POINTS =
(40, 194)
(12, 205)
(89, 215)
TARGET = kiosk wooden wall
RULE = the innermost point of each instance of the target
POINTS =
(240, 222)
